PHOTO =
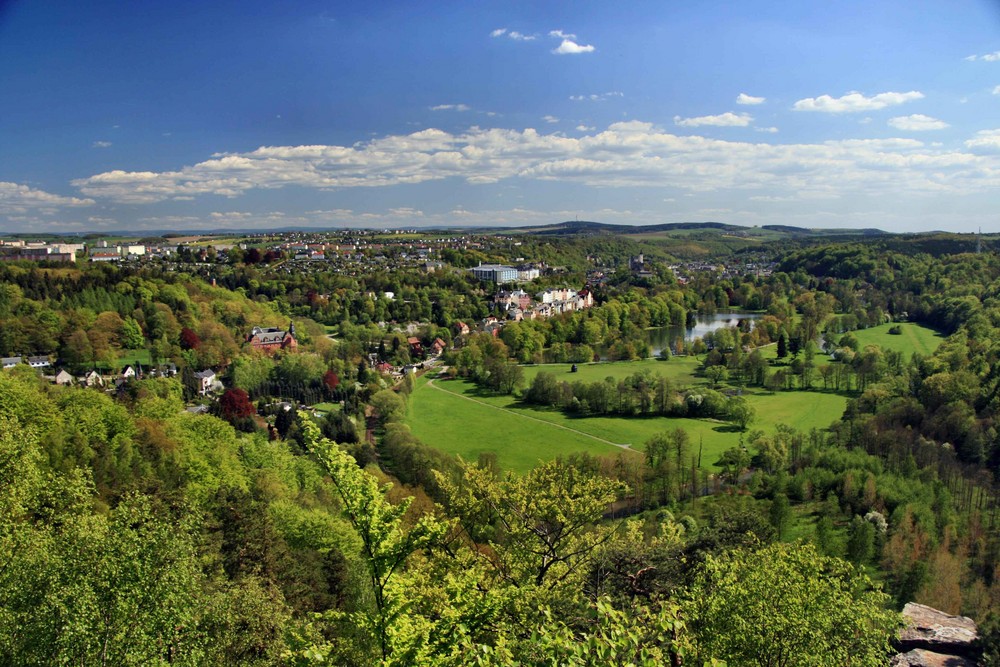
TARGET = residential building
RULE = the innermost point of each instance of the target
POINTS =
(206, 379)
(92, 379)
(39, 362)
(271, 340)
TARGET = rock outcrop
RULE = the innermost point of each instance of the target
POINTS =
(932, 638)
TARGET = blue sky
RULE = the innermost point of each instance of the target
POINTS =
(196, 115)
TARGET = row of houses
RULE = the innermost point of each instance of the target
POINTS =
(518, 305)
(34, 362)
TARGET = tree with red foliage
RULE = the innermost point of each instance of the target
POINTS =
(252, 256)
(189, 339)
(235, 405)
(331, 380)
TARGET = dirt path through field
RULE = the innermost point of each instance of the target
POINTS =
(430, 383)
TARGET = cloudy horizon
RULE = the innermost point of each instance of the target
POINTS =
(357, 116)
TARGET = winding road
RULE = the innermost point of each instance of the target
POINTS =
(430, 383)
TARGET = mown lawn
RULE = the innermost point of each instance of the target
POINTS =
(443, 416)
(913, 338)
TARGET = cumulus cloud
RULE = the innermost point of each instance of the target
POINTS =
(728, 119)
(499, 32)
(917, 123)
(569, 45)
(583, 128)
(854, 102)
(985, 141)
(451, 107)
(768, 130)
(996, 91)
(596, 97)
(626, 154)
(21, 199)
(550, 119)
(101, 144)
(743, 98)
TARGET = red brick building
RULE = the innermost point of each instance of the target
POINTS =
(272, 340)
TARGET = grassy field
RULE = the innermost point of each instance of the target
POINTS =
(443, 416)
(456, 417)
(914, 338)
(126, 358)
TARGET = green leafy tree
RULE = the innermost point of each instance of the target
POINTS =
(740, 412)
(388, 405)
(546, 520)
(132, 337)
(785, 605)
(387, 541)
(780, 515)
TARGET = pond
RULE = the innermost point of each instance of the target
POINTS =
(661, 337)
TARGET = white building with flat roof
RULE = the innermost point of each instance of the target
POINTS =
(497, 273)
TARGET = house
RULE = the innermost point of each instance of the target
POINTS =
(416, 349)
(461, 328)
(10, 362)
(272, 340)
(166, 370)
(438, 346)
(128, 373)
(92, 379)
(206, 379)
(39, 362)
(64, 378)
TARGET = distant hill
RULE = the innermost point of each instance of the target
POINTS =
(802, 231)
(589, 227)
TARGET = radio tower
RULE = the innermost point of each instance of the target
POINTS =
(979, 242)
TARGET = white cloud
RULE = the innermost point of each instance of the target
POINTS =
(21, 199)
(101, 144)
(853, 102)
(451, 107)
(626, 154)
(917, 123)
(513, 34)
(596, 97)
(989, 57)
(743, 98)
(728, 119)
(996, 91)
(569, 47)
(583, 128)
(768, 130)
(550, 119)
(985, 141)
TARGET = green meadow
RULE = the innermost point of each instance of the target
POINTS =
(458, 418)
(912, 338)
